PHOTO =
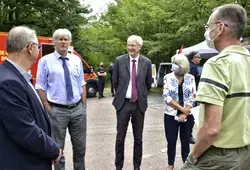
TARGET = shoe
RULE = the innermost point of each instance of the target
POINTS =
(100, 97)
(103, 96)
(170, 167)
(192, 140)
(137, 168)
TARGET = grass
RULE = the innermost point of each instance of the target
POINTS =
(156, 90)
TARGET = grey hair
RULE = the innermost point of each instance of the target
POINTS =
(61, 32)
(135, 38)
(235, 16)
(182, 61)
(19, 37)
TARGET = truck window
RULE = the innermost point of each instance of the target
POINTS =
(85, 70)
(47, 49)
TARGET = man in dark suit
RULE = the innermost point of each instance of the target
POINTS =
(25, 141)
(132, 76)
(110, 69)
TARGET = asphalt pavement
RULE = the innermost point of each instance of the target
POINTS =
(101, 133)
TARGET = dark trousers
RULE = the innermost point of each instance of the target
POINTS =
(129, 110)
(101, 86)
(171, 131)
(112, 86)
(190, 124)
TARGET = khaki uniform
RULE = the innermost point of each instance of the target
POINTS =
(225, 81)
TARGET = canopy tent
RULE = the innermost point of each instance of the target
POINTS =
(202, 48)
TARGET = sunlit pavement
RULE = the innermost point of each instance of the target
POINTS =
(101, 123)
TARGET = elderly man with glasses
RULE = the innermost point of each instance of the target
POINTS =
(25, 128)
(223, 139)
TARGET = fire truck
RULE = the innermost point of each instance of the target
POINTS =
(47, 47)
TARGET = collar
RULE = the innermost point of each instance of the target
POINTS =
(173, 75)
(136, 58)
(26, 74)
(235, 49)
(58, 55)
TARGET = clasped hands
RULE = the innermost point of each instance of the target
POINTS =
(185, 113)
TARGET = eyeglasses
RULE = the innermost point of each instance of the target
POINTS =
(206, 26)
(35, 44)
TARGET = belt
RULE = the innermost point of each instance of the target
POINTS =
(224, 150)
(71, 106)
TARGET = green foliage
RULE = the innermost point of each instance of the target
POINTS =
(164, 26)
(45, 16)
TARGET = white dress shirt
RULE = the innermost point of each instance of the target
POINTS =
(129, 90)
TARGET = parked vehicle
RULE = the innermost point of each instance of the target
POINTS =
(164, 68)
(48, 47)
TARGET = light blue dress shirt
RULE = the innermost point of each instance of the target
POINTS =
(50, 77)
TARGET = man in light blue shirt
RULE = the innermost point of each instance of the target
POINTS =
(61, 87)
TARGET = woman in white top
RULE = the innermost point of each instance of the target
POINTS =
(178, 95)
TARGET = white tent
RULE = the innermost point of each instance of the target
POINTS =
(202, 48)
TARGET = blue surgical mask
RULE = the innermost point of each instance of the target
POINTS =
(175, 68)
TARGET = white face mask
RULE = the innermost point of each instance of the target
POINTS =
(175, 68)
(209, 41)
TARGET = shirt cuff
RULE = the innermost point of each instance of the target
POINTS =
(168, 99)
(83, 83)
(40, 87)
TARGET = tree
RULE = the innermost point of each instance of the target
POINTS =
(42, 15)
(164, 26)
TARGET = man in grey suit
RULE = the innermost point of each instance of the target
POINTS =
(132, 76)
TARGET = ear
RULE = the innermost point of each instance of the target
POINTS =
(222, 28)
(29, 48)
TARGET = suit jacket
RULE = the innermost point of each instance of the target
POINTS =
(121, 77)
(25, 141)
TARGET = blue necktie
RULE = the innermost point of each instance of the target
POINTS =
(68, 84)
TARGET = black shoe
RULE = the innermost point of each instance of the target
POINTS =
(137, 168)
(192, 140)
(100, 97)
(103, 96)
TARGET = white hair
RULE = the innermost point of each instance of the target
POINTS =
(61, 32)
(135, 38)
(182, 61)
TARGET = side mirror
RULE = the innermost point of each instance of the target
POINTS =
(91, 69)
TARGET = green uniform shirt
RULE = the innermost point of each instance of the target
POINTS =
(225, 81)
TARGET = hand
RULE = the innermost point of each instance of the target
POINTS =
(195, 159)
(58, 158)
(186, 111)
(47, 108)
(182, 117)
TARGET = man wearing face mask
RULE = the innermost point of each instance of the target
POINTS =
(101, 79)
(224, 135)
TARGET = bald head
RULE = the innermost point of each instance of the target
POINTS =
(234, 17)
(18, 38)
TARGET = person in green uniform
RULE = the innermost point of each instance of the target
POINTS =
(224, 93)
